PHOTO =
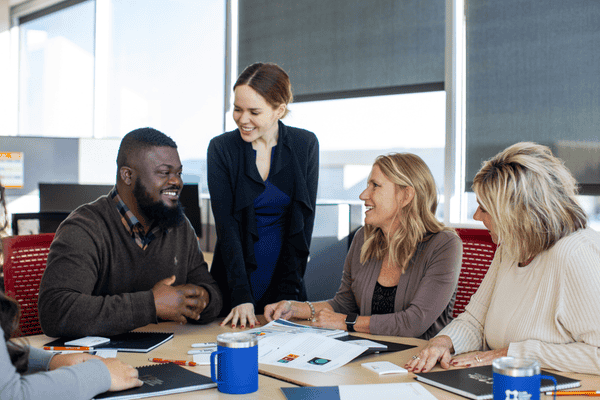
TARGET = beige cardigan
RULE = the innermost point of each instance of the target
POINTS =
(556, 320)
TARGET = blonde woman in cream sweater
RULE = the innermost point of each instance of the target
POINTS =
(541, 296)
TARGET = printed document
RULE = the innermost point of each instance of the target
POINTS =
(306, 351)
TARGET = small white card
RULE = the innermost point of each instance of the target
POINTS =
(384, 367)
(202, 359)
(88, 341)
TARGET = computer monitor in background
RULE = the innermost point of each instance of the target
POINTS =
(69, 196)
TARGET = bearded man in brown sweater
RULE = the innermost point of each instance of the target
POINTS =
(129, 258)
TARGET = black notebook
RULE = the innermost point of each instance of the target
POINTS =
(476, 382)
(387, 346)
(133, 342)
(161, 380)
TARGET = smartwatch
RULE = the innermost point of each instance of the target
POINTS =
(350, 321)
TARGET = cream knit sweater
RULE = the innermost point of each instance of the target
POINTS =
(548, 310)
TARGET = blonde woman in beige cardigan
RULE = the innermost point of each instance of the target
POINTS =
(541, 297)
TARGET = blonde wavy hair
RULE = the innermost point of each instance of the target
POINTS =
(530, 196)
(417, 219)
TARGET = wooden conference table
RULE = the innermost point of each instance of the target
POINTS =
(272, 378)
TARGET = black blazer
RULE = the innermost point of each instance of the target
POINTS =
(234, 182)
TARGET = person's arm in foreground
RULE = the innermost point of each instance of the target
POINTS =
(67, 377)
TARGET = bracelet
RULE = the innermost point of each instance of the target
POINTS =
(312, 311)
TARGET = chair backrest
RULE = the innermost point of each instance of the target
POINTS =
(24, 263)
(478, 253)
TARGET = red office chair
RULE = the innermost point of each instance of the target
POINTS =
(24, 263)
(478, 252)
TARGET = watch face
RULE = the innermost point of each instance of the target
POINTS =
(351, 318)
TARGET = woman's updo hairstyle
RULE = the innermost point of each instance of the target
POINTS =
(270, 81)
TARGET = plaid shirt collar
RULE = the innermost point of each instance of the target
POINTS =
(132, 224)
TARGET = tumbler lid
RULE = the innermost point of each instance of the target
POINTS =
(517, 367)
(236, 340)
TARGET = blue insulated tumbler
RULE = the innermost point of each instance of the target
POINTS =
(517, 379)
(236, 362)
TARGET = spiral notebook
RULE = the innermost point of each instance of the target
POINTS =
(161, 380)
(388, 391)
(135, 342)
(476, 383)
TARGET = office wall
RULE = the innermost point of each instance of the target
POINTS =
(59, 160)
(45, 160)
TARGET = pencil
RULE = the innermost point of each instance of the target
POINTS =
(62, 348)
(576, 393)
(178, 362)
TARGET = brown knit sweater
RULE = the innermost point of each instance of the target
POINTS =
(98, 280)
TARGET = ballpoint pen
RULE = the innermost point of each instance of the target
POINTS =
(202, 351)
(575, 393)
(178, 362)
(206, 344)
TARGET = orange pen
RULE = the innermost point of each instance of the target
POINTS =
(59, 348)
(576, 393)
(178, 362)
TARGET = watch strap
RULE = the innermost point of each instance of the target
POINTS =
(350, 321)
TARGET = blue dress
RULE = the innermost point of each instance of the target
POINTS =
(270, 208)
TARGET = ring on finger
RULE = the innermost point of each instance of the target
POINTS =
(416, 357)
(477, 358)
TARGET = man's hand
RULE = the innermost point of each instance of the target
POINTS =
(175, 303)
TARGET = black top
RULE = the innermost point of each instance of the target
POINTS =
(384, 298)
(234, 183)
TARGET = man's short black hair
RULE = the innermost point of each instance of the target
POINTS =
(139, 139)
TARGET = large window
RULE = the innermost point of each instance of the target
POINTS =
(56, 73)
(162, 64)
(98, 69)
(532, 75)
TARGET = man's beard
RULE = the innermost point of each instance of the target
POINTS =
(156, 211)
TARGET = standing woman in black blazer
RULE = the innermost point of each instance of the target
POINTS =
(262, 179)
